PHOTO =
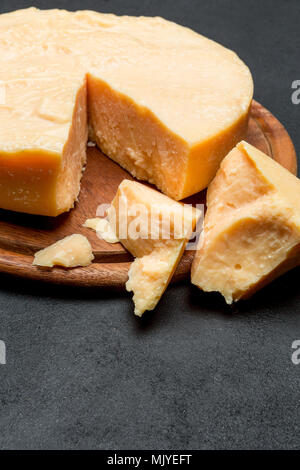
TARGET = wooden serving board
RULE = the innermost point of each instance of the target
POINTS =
(21, 235)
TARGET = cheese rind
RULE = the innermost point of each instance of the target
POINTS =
(74, 250)
(163, 101)
(155, 229)
(252, 225)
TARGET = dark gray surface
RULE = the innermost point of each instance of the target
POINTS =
(82, 372)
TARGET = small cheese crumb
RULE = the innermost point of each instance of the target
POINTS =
(74, 250)
(103, 229)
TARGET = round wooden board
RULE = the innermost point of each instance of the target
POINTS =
(21, 235)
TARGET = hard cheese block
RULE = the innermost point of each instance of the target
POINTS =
(155, 229)
(164, 102)
(252, 225)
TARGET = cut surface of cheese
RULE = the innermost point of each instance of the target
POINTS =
(74, 250)
(163, 101)
(155, 230)
(252, 226)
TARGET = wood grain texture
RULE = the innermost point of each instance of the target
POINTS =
(22, 235)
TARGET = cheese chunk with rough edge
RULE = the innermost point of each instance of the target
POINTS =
(252, 225)
(163, 101)
(155, 229)
(103, 229)
(74, 250)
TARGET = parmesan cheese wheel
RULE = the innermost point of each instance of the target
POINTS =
(164, 102)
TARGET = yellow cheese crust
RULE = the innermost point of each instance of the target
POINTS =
(163, 101)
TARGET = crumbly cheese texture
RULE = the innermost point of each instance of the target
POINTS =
(155, 230)
(252, 225)
(74, 250)
(164, 102)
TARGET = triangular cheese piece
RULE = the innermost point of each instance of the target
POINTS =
(252, 225)
(73, 250)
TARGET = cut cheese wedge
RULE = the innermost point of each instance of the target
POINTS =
(164, 102)
(74, 250)
(155, 229)
(252, 225)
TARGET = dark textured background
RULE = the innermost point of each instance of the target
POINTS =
(82, 372)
